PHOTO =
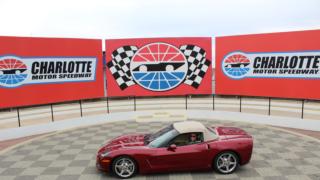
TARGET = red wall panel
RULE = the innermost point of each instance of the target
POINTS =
(285, 78)
(158, 66)
(24, 50)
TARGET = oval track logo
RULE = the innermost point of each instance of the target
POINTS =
(236, 65)
(159, 67)
(12, 72)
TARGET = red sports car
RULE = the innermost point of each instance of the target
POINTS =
(182, 146)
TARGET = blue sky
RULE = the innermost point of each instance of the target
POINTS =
(154, 18)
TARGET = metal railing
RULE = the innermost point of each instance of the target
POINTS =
(23, 116)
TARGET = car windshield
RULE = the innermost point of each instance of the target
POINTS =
(212, 130)
(212, 133)
(163, 139)
(151, 137)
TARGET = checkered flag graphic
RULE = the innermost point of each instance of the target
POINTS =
(197, 64)
(120, 65)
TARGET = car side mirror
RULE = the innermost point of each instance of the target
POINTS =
(172, 147)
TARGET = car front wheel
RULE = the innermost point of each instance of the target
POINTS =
(226, 162)
(124, 167)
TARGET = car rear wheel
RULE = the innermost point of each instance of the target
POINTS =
(124, 167)
(226, 162)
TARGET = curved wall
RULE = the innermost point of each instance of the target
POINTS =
(58, 112)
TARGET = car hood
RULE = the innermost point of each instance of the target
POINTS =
(231, 132)
(129, 140)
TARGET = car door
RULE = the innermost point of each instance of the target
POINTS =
(191, 156)
(183, 157)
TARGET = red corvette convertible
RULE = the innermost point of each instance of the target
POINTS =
(182, 146)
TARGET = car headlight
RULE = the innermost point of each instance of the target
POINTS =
(105, 154)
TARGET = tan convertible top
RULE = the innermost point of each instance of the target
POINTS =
(189, 126)
(193, 126)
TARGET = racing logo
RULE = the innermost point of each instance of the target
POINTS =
(236, 65)
(158, 66)
(16, 71)
(301, 64)
(12, 72)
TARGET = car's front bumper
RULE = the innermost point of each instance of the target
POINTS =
(103, 164)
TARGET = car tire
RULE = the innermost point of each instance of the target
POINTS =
(124, 167)
(226, 162)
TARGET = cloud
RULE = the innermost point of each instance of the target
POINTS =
(143, 18)
(154, 18)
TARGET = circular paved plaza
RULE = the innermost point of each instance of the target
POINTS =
(71, 154)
